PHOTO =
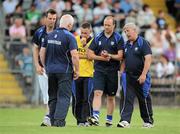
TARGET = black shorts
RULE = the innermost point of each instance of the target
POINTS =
(106, 81)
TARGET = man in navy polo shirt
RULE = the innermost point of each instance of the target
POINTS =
(38, 39)
(60, 56)
(136, 78)
(106, 51)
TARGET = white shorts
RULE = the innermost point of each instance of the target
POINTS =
(43, 83)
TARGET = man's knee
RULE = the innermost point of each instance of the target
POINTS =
(111, 98)
(98, 93)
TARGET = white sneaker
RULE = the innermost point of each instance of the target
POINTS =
(147, 125)
(123, 124)
(46, 121)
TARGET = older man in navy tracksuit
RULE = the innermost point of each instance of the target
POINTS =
(136, 78)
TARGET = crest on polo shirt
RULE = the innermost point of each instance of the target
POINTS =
(125, 50)
(136, 48)
(42, 40)
(55, 36)
(112, 43)
(99, 43)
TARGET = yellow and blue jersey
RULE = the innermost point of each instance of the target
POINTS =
(85, 66)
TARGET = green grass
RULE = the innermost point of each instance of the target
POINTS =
(27, 121)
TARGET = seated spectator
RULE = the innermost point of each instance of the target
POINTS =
(100, 12)
(178, 48)
(85, 13)
(160, 20)
(177, 11)
(17, 13)
(42, 5)
(171, 52)
(118, 14)
(145, 17)
(126, 6)
(18, 31)
(25, 63)
(164, 68)
(32, 16)
(9, 6)
(149, 33)
(68, 9)
(131, 17)
(158, 44)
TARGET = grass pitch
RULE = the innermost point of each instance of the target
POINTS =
(27, 121)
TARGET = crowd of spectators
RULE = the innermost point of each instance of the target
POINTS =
(22, 21)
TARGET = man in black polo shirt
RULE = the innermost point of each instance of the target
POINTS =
(106, 51)
(38, 39)
(60, 56)
(136, 78)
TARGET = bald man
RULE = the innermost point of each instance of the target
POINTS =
(60, 57)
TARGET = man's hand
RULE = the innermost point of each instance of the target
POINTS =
(83, 41)
(39, 69)
(142, 78)
(76, 75)
(106, 55)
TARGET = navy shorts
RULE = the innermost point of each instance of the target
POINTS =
(106, 81)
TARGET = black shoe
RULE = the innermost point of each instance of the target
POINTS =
(93, 121)
(43, 125)
(59, 123)
(108, 124)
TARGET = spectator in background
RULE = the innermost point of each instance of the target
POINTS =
(169, 34)
(17, 13)
(177, 7)
(131, 17)
(32, 16)
(42, 5)
(18, 31)
(99, 13)
(149, 33)
(170, 53)
(60, 6)
(160, 20)
(145, 17)
(164, 68)
(9, 6)
(136, 4)
(68, 8)
(126, 6)
(178, 51)
(25, 63)
(85, 14)
(158, 44)
(118, 14)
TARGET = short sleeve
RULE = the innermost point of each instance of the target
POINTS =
(146, 49)
(44, 43)
(72, 42)
(121, 44)
(35, 39)
(93, 45)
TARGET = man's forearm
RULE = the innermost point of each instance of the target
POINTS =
(42, 55)
(118, 56)
(36, 55)
(147, 64)
(75, 61)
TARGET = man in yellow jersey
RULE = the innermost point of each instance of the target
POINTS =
(82, 87)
